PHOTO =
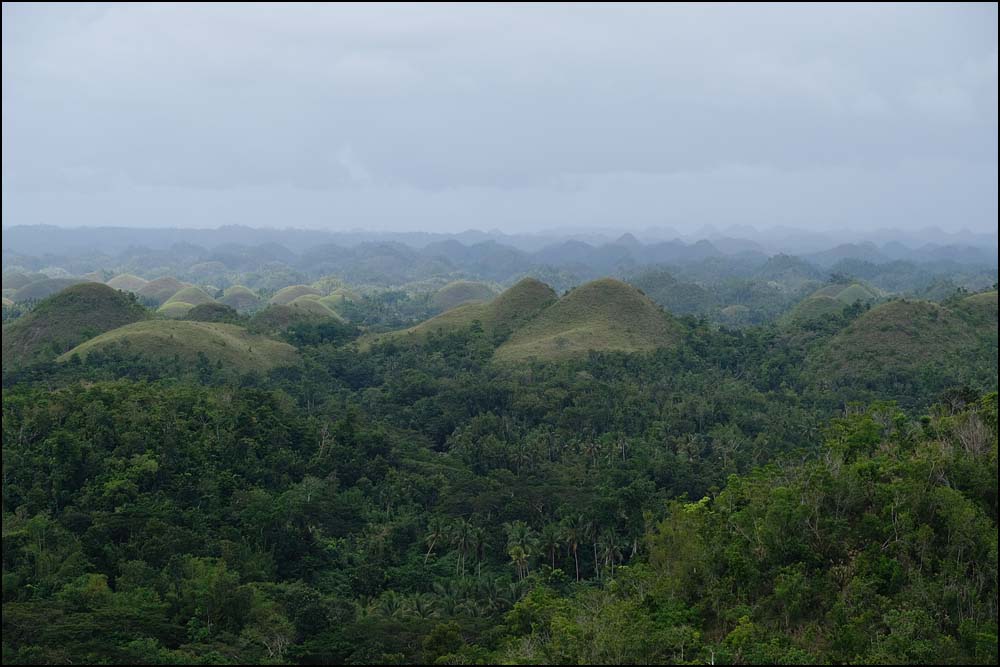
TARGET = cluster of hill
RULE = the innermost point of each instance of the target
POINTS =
(393, 261)
(529, 321)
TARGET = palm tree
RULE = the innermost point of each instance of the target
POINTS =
(611, 550)
(437, 529)
(550, 539)
(519, 557)
(574, 531)
(461, 538)
(479, 541)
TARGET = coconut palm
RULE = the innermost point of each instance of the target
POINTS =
(574, 532)
(437, 530)
(549, 541)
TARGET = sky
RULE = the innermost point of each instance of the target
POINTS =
(517, 118)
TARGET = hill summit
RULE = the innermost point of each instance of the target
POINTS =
(603, 315)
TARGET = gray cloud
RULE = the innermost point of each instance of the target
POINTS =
(403, 117)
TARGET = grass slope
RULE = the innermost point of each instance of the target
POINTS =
(459, 292)
(161, 289)
(128, 282)
(241, 298)
(237, 349)
(175, 310)
(914, 341)
(65, 320)
(41, 289)
(193, 295)
(603, 315)
(499, 317)
(288, 294)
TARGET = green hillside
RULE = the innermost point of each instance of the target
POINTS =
(604, 315)
(67, 319)
(288, 294)
(903, 342)
(313, 305)
(15, 280)
(175, 310)
(814, 308)
(161, 289)
(459, 292)
(193, 295)
(127, 282)
(46, 287)
(212, 312)
(276, 318)
(241, 298)
(233, 346)
(498, 317)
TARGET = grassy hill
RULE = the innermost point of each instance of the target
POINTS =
(193, 295)
(175, 310)
(128, 282)
(276, 318)
(213, 312)
(830, 300)
(459, 292)
(46, 287)
(498, 317)
(313, 305)
(603, 315)
(161, 289)
(904, 343)
(233, 346)
(241, 298)
(65, 320)
(288, 294)
(15, 280)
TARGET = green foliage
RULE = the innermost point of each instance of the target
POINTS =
(705, 501)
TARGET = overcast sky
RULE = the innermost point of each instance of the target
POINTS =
(510, 117)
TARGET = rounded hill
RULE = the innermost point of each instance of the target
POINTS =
(67, 319)
(241, 298)
(459, 292)
(603, 315)
(162, 340)
(46, 287)
(161, 289)
(288, 294)
(127, 282)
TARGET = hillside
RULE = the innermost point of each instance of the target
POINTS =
(196, 296)
(161, 289)
(175, 310)
(904, 342)
(498, 317)
(127, 282)
(241, 298)
(288, 294)
(276, 318)
(67, 319)
(46, 287)
(237, 349)
(604, 315)
(459, 292)
(830, 300)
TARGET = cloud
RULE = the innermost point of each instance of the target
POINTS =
(443, 102)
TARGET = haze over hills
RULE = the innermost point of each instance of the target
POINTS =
(514, 334)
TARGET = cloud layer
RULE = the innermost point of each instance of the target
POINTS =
(449, 117)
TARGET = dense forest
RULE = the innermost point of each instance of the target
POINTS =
(536, 477)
